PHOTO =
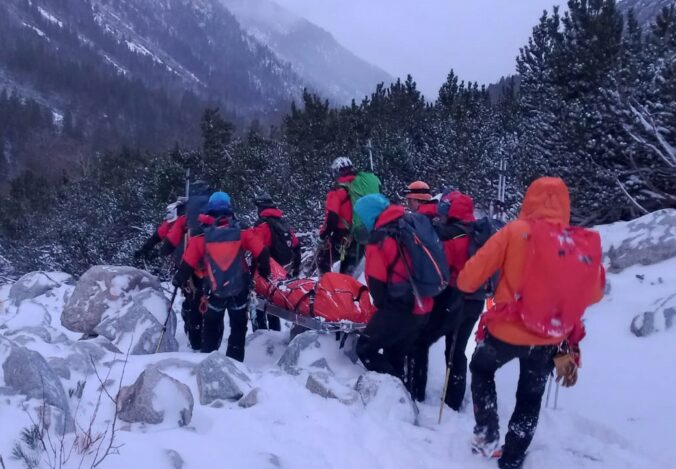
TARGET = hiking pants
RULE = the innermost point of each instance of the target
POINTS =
(213, 328)
(190, 311)
(536, 363)
(394, 331)
(457, 382)
(450, 311)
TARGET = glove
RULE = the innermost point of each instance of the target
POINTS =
(140, 253)
(566, 369)
(182, 275)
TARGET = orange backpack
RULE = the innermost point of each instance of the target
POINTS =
(561, 276)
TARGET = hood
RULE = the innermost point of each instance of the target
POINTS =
(547, 198)
(462, 207)
(271, 213)
(429, 209)
(369, 208)
(390, 214)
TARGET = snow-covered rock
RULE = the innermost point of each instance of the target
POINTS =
(27, 372)
(303, 349)
(650, 322)
(137, 327)
(156, 398)
(220, 378)
(386, 397)
(103, 289)
(35, 284)
(325, 384)
(645, 241)
(252, 398)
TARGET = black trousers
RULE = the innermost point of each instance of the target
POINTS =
(393, 331)
(457, 382)
(213, 327)
(536, 363)
(192, 317)
(451, 313)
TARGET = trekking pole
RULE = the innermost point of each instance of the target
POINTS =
(449, 365)
(549, 389)
(164, 327)
(370, 153)
(556, 397)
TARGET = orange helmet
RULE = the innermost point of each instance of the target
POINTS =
(418, 190)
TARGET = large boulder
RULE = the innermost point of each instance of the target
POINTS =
(386, 398)
(645, 241)
(35, 284)
(137, 326)
(220, 378)
(155, 398)
(27, 372)
(661, 319)
(104, 289)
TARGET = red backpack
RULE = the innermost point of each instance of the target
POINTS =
(560, 279)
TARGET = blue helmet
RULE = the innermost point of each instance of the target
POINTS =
(369, 208)
(219, 202)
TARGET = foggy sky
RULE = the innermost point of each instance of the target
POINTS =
(480, 39)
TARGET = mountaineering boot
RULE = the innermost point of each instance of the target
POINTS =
(485, 448)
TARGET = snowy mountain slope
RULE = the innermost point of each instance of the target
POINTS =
(197, 45)
(620, 415)
(313, 53)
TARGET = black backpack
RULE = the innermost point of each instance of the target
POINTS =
(282, 240)
(226, 263)
(479, 233)
(415, 235)
(198, 202)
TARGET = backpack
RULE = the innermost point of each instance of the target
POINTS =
(282, 240)
(561, 274)
(429, 273)
(197, 203)
(225, 261)
(479, 232)
(364, 183)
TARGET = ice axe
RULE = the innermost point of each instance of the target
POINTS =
(164, 327)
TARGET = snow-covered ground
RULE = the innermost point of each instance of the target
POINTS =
(621, 414)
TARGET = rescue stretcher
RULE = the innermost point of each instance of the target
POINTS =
(334, 303)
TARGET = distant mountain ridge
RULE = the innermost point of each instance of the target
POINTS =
(140, 72)
(313, 53)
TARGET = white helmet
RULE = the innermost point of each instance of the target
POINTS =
(341, 163)
(171, 213)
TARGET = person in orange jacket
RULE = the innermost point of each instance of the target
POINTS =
(419, 199)
(504, 336)
(195, 260)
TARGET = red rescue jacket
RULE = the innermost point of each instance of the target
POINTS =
(338, 209)
(385, 269)
(195, 251)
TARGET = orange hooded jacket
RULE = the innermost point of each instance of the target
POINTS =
(547, 199)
